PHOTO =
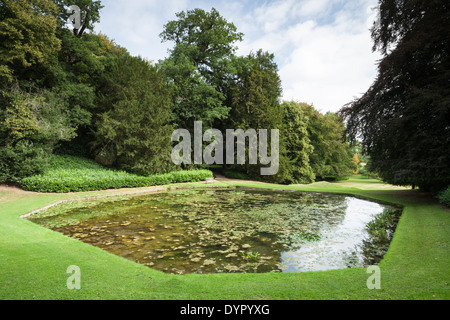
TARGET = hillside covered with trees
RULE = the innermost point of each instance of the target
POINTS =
(75, 92)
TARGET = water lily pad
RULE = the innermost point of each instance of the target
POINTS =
(209, 262)
(184, 230)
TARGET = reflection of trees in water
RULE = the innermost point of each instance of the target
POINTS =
(318, 212)
(208, 231)
(374, 248)
(351, 258)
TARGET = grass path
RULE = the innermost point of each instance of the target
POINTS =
(34, 260)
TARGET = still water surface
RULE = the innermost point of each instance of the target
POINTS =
(243, 230)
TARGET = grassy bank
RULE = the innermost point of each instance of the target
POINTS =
(34, 260)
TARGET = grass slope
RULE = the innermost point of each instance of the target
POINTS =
(33, 260)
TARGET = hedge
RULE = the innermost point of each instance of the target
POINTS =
(73, 174)
(444, 196)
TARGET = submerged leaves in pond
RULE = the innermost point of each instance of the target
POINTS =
(206, 231)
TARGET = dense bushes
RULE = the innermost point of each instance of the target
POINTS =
(79, 93)
(134, 132)
(72, 174)
(380, 227)
(444, 196)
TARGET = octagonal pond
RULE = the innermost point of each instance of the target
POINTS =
(224, 230)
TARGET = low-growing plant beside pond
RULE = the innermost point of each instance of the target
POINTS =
(74, 174)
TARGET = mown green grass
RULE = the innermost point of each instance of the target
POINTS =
(33, 259)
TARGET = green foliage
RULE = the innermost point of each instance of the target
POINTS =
(194, 98)
(199, 65)
(298, 238)
(28, 37)
(30, 126)
(379, 227)
(235, 175)
(251, 256)
(331, 157)
(21, 160)
(134, 134)
(73, 174)
(85, 59)
(444, 196)
(18, 154)
(298, 148)
(365, 171)
(255, 95)
(254, 100)
(403, 118)
(80, 93)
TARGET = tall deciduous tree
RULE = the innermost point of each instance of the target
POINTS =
(403, 119)
(35, 113)
(331, 157)
(200, 65)
(27, 37)
(89, 14)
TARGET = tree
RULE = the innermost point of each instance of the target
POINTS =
(254, 99)
(199, 65)
(403, 119)
(356, 162)
(296, 168)
(331, 157)
(89, 14)
(38, 109)
(27, 38)
(255, 95)
(31, 126)
(135, 133)
(81, 84)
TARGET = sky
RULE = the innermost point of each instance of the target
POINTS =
(323, 48)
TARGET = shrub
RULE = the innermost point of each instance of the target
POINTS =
(230, 174)
(364, 171)
(335, 178)
(73, 174)
(22, 160)
(444, 196)
(381, 225)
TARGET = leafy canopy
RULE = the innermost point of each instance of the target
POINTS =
(199, 65)
(27, 36)
(403, 119)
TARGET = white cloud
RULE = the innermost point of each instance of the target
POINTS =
(322, 47)
(327, 64)
(310, 8)
(136, 24)
(329, 68)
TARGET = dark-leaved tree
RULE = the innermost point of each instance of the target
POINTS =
(403, 120)
(134, 134)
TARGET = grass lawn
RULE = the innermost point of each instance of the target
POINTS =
(34, 260)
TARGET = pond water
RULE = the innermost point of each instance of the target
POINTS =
(223, 230)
